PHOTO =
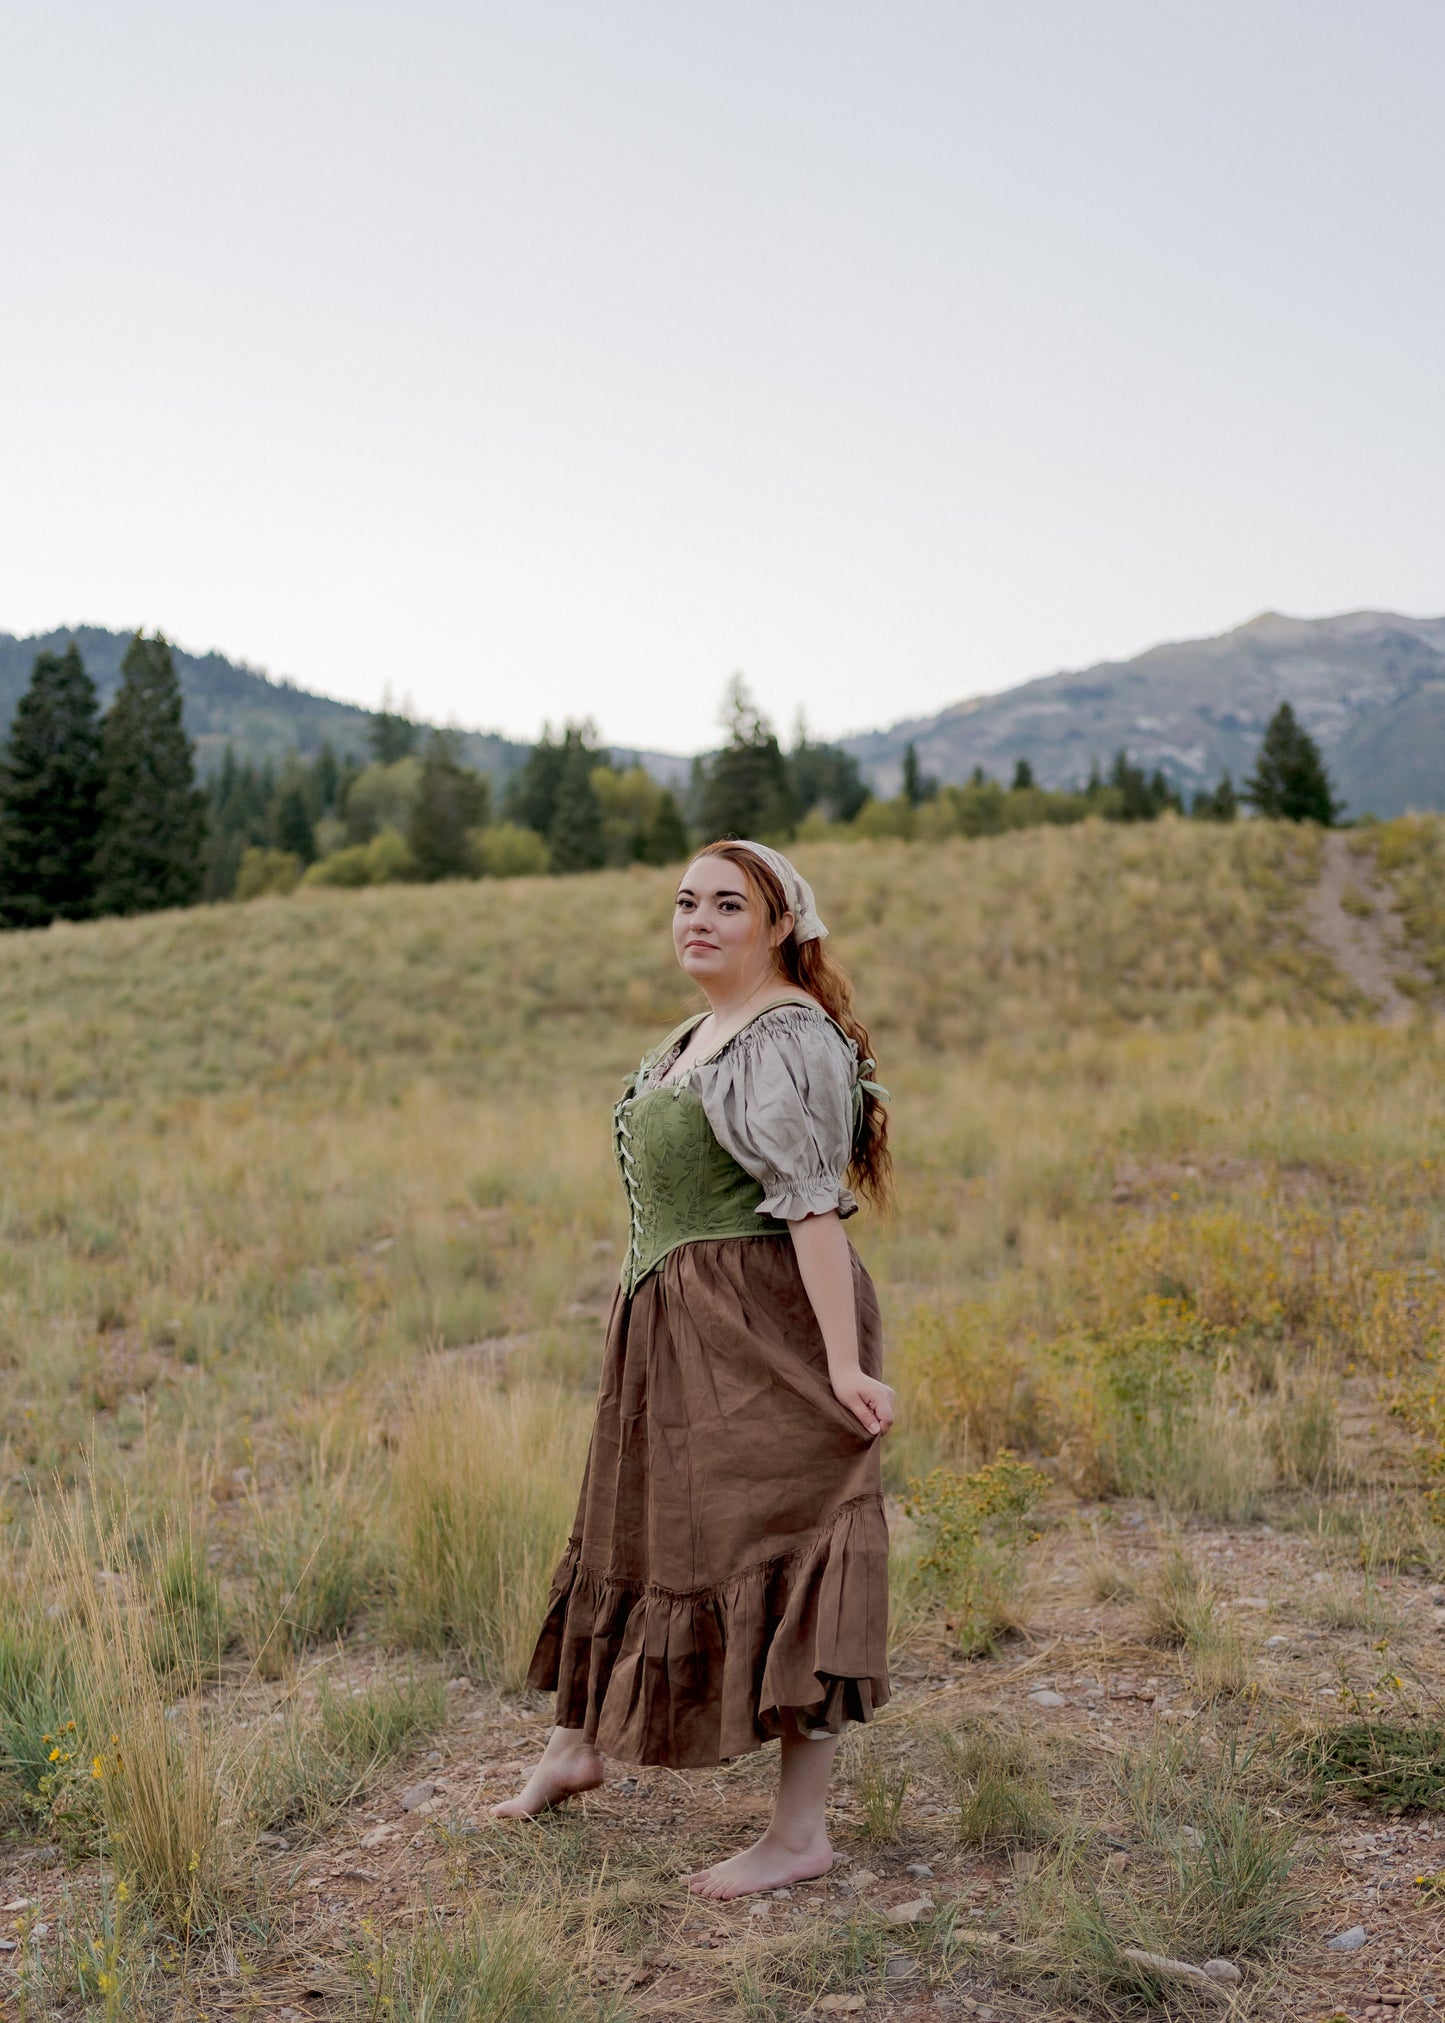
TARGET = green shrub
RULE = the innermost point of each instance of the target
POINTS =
(506, 850)
(973, 1530)
(1380, 1762)
(262, 872)
(385, 860)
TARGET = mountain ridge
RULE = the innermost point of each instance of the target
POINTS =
(1368, 685)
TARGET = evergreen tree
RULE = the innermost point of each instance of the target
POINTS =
(745, 789)
(912, 775)
(825, 777)
(323, 784)
(392, 735)
(50, 797)
(294, 831)
(1135, 803)
(665, 841)
(1138, 797)
(1023, 777)
(531, 796)
(451, 801)
(1162, 794)
(1221, 804)
(153, 827)
(575, 837)
(1290, 781)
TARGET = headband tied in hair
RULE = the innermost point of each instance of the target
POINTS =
(796, 890)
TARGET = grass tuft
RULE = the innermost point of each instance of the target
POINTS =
(484, 1487)
(1183, 1608)
(999, 1788)
(475, 1968)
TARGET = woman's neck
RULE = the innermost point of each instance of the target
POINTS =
(729, 1006)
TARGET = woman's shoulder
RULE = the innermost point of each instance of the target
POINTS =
(796, 1025)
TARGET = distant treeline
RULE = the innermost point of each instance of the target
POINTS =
(103, 814)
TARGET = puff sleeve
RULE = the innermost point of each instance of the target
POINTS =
(780, 1101)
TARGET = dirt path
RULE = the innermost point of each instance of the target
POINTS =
(1353, 917)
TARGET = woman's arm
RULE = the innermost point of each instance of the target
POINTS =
(827, 1273)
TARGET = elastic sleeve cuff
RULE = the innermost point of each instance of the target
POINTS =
(790, 1198)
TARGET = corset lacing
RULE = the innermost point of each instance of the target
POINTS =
(628, 1166)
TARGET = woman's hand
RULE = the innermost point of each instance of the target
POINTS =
(868, 1399)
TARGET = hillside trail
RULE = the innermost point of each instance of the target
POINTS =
(1352, 915)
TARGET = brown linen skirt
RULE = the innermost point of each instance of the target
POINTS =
(728, 1568)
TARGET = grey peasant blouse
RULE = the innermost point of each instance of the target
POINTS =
(779, 1096)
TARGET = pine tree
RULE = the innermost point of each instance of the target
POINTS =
(153, 827)
(1219, 805)
(323, 784)
(531, 796)
(666, 839)
(50, 779)
(1023, 777)
(912, 775)
(1128, 781)
(391, 734)
(294, 831)
(746, 790)
(575, 837)
(825, 777)
(1290, 781)
(450, 802)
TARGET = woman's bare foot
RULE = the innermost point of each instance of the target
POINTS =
(769, 1864)
(567, 1765)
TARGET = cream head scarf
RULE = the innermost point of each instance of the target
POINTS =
(796, 890)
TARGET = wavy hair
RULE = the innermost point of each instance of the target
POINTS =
(809, 967)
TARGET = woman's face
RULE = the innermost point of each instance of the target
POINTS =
(720, 927)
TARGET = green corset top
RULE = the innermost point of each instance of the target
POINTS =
(682, 1187)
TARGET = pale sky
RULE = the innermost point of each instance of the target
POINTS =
(548, 359)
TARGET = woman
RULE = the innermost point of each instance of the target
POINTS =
(726, 1578)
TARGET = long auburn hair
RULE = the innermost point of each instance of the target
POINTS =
(808, 966)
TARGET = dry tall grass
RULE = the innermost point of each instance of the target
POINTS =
(308, 1228)
(484, 1487)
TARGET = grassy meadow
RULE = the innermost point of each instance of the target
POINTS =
(308, 1230)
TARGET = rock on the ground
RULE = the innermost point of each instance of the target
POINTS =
(1222, 1970)
(921, 1869)
(1350, 1941)
(417, 1794)
(909, 1913)
(1046, 1697)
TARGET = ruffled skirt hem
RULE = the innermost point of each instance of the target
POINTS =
(689, 1679)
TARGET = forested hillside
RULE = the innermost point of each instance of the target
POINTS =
(227, 703)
